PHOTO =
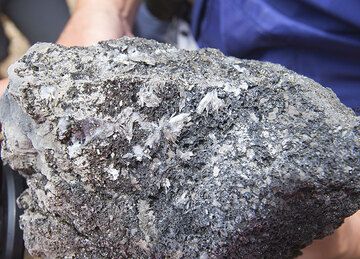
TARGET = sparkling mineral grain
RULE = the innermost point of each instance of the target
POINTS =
(135, 149)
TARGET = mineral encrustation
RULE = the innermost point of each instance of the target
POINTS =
(135, 149)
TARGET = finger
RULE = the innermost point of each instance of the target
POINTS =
(3, 84)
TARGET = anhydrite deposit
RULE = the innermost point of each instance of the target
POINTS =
(135, 149)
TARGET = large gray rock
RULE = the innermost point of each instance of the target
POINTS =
(134, 149)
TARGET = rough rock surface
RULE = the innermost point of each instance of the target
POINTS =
(134, 149)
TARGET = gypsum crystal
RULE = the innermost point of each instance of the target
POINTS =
(135, 149)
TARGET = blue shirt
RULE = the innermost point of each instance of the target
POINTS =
(316, 38)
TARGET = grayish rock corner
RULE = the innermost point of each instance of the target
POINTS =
(135, 149)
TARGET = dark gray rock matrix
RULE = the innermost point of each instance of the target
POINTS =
(135, 149)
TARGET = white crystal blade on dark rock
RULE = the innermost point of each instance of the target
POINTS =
(135, 149)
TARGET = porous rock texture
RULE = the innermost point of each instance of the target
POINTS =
(135, 149)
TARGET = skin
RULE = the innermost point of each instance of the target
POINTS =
(97, 20)
(3, 85)
(344, 243)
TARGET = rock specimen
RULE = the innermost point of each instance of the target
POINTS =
(135, 149)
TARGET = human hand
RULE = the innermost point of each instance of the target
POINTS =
(3, 84)
(344, 243)
(97, 20)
